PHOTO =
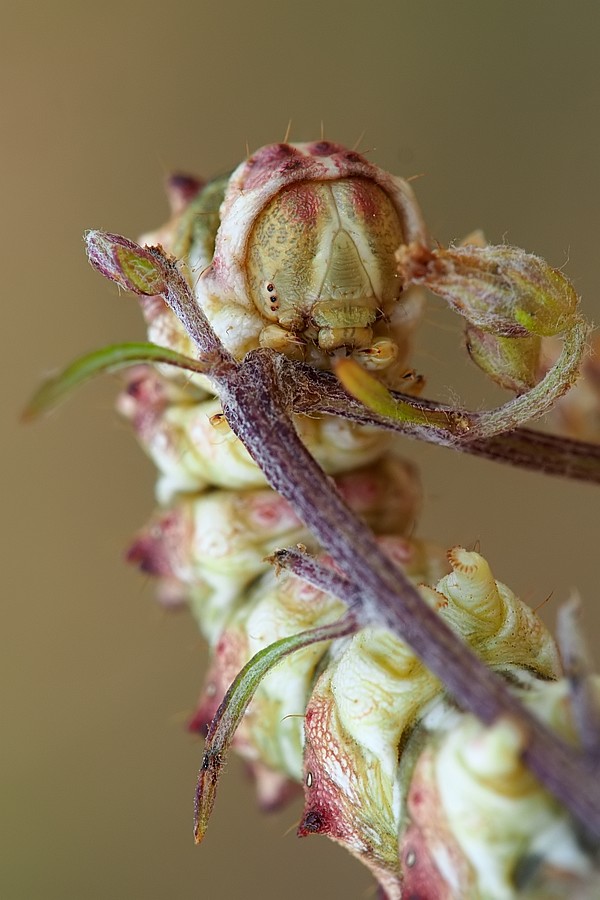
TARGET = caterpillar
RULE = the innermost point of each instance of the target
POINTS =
(296, 252)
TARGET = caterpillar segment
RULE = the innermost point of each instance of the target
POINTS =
(295, 251)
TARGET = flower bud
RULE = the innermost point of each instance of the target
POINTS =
(134, 268)
(499, 814)
(496, 288)
(513, 363)
(272, 729)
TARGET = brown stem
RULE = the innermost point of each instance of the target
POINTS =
(548, 454)
(320, 576)
(311, 391)
(191, 316)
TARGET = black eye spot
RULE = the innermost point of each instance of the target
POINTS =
(273, 298)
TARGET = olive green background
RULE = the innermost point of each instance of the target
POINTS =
(496, 105)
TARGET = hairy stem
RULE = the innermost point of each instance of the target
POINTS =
(311, 391)
(320, 576)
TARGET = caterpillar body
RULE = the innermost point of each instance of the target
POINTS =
(295, 251)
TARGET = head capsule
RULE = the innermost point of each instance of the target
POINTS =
(306, 245)
(320, 260)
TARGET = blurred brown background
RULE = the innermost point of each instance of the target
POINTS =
(497, 105)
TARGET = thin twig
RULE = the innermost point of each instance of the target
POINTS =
(320, 576)
(312, 392)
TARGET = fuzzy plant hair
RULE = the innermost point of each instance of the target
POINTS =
(433, 724)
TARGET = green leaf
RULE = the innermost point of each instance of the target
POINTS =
(374, 395)
(234, 705)
(108, 359)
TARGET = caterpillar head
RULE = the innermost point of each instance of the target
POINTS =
(306, 244)
(320, 260)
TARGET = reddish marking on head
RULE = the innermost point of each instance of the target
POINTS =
(275, 158)
(272, 153)
(324, 148)
(301, 203)
(282, 149)
(290, 165)
(363, 199)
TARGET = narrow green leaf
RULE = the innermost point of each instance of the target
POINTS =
(234, 705)
(108, 359)
(374, 395)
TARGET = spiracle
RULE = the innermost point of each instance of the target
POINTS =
(295, 251)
